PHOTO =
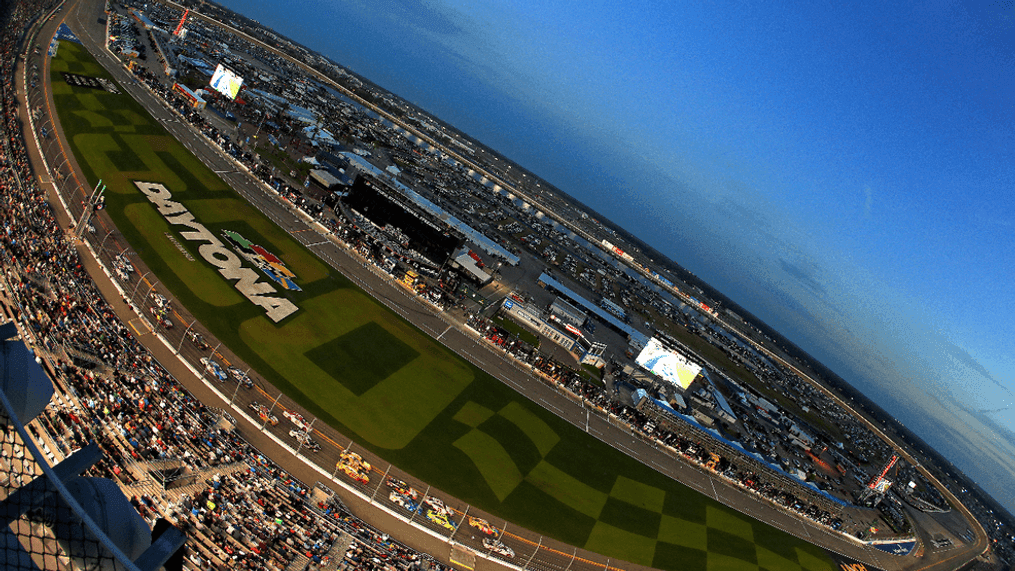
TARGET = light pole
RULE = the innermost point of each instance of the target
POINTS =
(383, 479)
(49, 146)
(236, 390)
(102, 244)
(420, 508)
(60, 166)
(47, 121)
(145, 294)
(180, 347)
(89, 207)
(464, 515)
(134, 291)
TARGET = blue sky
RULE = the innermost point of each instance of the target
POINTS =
(844, 172)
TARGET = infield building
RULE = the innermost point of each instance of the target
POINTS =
(400, 224)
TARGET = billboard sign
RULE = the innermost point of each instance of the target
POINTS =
(667, 364)
(226, 82)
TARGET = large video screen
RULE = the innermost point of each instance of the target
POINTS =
(226, 82)
(667, 364)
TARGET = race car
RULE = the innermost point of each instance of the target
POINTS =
(403, 501)
(213, 368)
(160, 317)
(483, 526)
(354, 466)
(240, 376)
(437, 505)
(264, 413)
(297, 419)
(160, 301)
(402, 488)
(441, 519)
(122, 263)
(498, 547)
(305, 440)
(198, 340)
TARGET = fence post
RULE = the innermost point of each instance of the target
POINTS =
(384, 478)
(540, 544)
(270, 410)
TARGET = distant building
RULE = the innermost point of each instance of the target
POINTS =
(468, 265)
(325, 179)
(401, 223)
(587, 351)
(191, 97)
(568, 313)
(636, 338)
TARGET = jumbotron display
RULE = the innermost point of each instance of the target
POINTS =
(667, 364)
(226, 82)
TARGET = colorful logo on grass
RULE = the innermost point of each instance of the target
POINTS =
(265, 261)
(215, 253)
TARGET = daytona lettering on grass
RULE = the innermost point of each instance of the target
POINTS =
(216, 254)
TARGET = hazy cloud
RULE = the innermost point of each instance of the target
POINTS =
(422, 16)
(963, 356)
(808, 277)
